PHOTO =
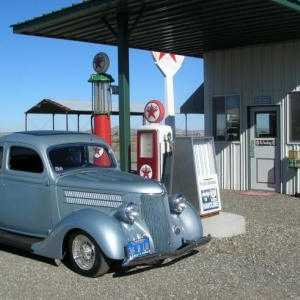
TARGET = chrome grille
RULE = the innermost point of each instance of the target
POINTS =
(154, 210)
(93, 199)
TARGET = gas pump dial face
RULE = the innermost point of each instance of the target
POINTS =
(146, 145)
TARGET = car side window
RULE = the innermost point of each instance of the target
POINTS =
(25, 159)
(1, 156)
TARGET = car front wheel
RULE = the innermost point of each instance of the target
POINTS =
(86, 256)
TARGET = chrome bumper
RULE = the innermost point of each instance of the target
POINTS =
(148, 258)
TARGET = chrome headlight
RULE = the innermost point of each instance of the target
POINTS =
(128, 212)
(177, 203)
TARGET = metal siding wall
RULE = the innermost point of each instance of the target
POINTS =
(289, 69)
(271, 70)
(228, 165)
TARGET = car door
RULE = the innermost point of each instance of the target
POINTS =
(25, 192)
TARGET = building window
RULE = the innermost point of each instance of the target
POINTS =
(293, 118)
(226, 118)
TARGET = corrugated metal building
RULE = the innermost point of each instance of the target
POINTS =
(256, 86)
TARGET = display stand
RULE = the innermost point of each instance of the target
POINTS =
(194, 174)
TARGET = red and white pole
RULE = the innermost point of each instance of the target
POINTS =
(102, 127)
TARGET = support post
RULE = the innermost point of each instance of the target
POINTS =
(124, 98)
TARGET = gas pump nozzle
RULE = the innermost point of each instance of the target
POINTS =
(168, 142)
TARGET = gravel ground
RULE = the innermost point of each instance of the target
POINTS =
(263, 263)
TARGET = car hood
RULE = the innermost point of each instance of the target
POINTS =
(110, 180)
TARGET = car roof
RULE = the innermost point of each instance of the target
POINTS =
(48, 138)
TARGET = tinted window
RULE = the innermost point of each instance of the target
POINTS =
(293, 118)
(25, 159)
(226, 116)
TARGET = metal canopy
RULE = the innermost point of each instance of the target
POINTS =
(195, 103)
(77, 107)
(189, 27)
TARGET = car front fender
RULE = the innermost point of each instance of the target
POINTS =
(105, 229)
(191, 222)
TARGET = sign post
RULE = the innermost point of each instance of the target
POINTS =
(168, 64)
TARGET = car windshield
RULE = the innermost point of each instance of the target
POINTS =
(78, 156)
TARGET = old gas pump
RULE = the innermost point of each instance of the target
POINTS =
(154, 143)
(101, 99)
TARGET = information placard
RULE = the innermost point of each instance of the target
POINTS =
(209, 194)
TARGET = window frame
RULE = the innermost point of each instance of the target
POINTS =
(226, 109)
(290, 126)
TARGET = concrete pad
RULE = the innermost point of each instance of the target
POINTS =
(223, 225)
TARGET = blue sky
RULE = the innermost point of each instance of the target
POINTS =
(34, 68)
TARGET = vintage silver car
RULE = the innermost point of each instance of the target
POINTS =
(63, 194)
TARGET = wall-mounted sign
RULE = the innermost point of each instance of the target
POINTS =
(262, 100)
(294, 159)
(265, 142)
(114, 89)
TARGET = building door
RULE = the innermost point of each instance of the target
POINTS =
(264, 150)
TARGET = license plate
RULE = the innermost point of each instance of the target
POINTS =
(138, 248)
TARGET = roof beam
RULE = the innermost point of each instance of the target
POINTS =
(295, 4)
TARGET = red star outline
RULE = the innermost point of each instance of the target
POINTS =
(162, 54)
(146, 171)
(151, 111)
(98, 62)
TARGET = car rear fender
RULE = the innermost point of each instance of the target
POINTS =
(105, 229)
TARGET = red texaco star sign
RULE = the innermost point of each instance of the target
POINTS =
(101, 62)
(162, 54)
(98, 152)
(154, 111)
(146, 171)
(98, 62)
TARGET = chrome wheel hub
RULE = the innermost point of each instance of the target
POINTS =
(83, 251)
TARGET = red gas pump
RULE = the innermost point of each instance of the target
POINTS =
(154, 143)
(101, 104)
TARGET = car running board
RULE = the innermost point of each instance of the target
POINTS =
(18, 241)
